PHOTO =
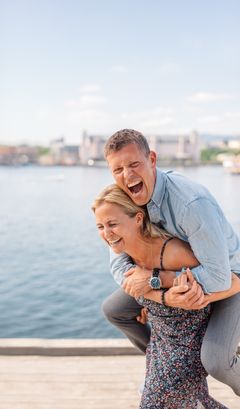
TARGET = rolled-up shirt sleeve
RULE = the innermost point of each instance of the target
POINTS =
(119, 264)
(202, 224)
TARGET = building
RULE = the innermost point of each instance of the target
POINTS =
(91, 149)
(168, 148)
(61, 154)
(177, 147)
(18, 155)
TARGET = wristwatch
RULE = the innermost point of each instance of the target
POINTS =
(155, 280)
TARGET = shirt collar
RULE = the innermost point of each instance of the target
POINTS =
(159, 189)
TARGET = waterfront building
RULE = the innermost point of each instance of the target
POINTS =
(234, 144)
(18, 155)
(177, 147)
(91, 149)
(62, 154)
(168, 147)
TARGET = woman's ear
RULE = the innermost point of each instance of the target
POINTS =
(139, 218)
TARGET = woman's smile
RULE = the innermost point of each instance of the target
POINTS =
(115, 227)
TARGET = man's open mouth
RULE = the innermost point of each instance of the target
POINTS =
(135, 187)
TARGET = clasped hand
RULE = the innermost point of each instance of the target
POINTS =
(136, 281)
(184, 293)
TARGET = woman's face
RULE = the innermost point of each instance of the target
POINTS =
(116, 228)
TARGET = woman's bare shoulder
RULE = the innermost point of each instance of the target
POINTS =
(178, 253)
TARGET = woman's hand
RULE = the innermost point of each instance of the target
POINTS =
(186, 293)
(143, 317)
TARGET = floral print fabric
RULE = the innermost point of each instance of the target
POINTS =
(175, 377)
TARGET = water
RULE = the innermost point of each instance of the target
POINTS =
(53, 266)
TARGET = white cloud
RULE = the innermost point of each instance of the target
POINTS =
(153, 120)
(226, 122)
(156, 124)
(232, 115)
(209, 119)
(88, 116)
(202, 97)
(168, 68)
(92, 100)
(94, 116)
(118, 68)
(41, 114)
(85, 102)
(87, 110)
(90, 88)
(90, 97)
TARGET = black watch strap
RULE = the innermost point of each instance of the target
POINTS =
(156, 271)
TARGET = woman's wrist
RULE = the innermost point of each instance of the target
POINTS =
(167, 278)
(163, 298)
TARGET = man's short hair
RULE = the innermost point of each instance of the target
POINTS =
(125, 137)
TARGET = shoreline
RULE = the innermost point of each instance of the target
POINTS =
(67, 347)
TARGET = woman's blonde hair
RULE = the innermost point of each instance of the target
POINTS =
(113, 194)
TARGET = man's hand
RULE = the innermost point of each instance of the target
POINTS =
(136, 282)
(143, 317)
(186, 293)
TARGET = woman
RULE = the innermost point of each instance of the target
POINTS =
(175, 377)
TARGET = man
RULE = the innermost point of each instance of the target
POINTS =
(188, 211)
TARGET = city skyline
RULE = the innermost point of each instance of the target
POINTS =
(160, 67)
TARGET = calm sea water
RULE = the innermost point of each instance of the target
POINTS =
(53, 266)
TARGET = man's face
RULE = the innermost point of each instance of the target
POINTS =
(134, 172)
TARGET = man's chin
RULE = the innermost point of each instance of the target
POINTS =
(139, 199)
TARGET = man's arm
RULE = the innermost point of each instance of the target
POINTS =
(134, 279)
(186, 293)
(119, 264)
(221, 295)
(202, 224)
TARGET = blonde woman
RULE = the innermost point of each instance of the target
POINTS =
(175, 377)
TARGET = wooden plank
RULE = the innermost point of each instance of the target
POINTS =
(86, 382)
(72, 365)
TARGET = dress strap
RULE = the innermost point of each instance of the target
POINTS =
(162, 251)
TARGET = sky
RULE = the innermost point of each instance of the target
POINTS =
(158, 66)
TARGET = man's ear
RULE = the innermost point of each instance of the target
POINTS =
(153, 158)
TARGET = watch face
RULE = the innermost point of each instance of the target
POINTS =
(155, 283)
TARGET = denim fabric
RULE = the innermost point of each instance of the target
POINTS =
(188, 211)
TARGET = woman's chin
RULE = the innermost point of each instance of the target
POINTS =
(117, 248)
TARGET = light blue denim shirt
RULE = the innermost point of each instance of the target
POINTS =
(188, 211)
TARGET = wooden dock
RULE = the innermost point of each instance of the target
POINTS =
(66, 375)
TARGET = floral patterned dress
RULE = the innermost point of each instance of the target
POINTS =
(175, 377)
